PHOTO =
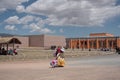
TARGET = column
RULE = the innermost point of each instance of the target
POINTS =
(79, 44)
(97, 44)
(88, 45)
(106, 43)
(118, 42)
(71, 44)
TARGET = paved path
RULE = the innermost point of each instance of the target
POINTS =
(85, 68)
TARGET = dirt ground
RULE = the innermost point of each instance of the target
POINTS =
(40, 70)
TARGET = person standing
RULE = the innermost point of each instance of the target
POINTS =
(57, 52)
(15, 51)
(60, 52)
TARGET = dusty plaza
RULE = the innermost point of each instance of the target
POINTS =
(105, 67)
(59, 39)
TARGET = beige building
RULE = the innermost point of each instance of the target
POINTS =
(24, 40)
(46, 41)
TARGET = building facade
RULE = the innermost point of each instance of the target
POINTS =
(94, 41)
(46, 41)
(24, 40)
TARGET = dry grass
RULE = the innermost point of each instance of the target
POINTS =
(37, 54)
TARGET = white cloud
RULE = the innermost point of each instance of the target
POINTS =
(11, 28)
(34, 27)
(10, 4)
(23, 20)
(46, 30)
(75, 12)
(20, 8)
(13, 20)
(26, 19)
(101, 15)
(37, 28)
(35, 24)
(2, 9)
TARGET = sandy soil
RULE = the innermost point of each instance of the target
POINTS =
(40, 70)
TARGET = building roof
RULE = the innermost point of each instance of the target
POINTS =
(115, 37)
(101, 35)
(9, 40)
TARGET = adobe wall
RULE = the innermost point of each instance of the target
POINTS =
(36, 41)
(24, 41)
(54, 41)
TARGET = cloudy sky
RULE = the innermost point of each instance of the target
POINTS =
(69, 18)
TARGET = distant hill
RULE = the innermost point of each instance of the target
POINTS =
(6, 35)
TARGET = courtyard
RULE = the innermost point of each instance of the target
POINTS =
(85, 68)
